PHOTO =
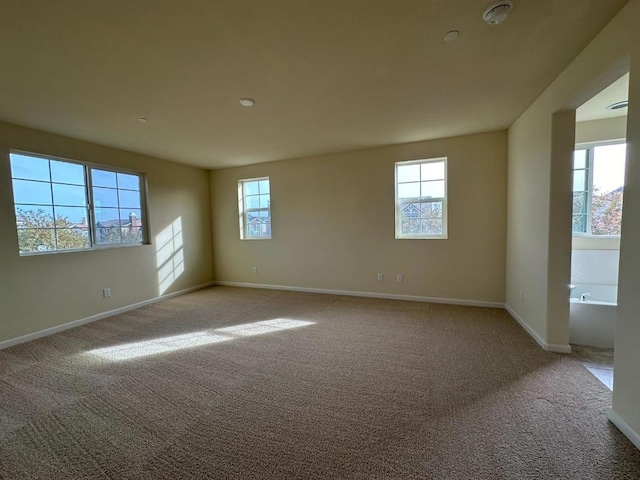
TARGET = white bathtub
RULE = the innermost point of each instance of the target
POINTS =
(592, 322)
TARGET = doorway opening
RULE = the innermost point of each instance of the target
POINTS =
(598, 192)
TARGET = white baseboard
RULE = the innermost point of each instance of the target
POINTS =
(624, 427)
(350, 293)
(76, 323)
(550, 347)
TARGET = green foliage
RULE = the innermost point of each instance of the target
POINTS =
(37, 232)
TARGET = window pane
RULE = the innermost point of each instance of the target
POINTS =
(580, 159)
(107, 216)
(253, 201)
(608, 168)
(579, 223)
(71, 216)
(251, 188)
(580, 203)
(108, 231)
(410, 226)
(408, 173)
(30, 168)
(35, 193)
(65, 172)
(264, 201)
(102, 178)
(580, 180)
(409, 190)
(128, 181)
(105, 197)
(71, 195)
(433, 189)
(410, 210)
(34, 217)
(432, 171)
(72, 238)
(263, 215)
(608, 186)
(264, 186)
(130, 217)
(432, 210)
(431, 226)
(129, 199)
(131, 223)
(36, 240)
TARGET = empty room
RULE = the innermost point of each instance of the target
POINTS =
(279, 239)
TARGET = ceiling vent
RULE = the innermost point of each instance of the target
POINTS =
(497, 13)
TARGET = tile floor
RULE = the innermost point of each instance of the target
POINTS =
(599, 361)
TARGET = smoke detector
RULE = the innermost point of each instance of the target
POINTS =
(497, 13)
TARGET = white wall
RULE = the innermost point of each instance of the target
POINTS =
(536, 239)
(44, 291)
(333, 223)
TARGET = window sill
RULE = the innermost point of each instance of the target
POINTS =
(76, 250)
(414, 237)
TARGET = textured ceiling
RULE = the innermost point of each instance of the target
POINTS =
(327, 75)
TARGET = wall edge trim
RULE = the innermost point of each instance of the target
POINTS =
(550, 347)
(352, 293)
(625, 428)
(98, 316)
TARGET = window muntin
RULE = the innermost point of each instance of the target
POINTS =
(598, 188)
(254, 208)
(58, 207)
(421, 198)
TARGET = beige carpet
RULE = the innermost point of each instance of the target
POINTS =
(309, 386)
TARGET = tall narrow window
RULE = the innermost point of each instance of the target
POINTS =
(63, 205)
(598, 187)
(254, 208)
(421, 199)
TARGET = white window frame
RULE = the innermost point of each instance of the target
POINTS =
(243, 212)
(590, 147)
(90, 207)
(421, 199)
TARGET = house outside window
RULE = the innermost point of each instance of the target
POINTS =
(63, 205)
(598, 189)
(254, 208)
(421, 199)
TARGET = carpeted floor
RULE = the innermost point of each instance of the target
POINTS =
(239, 383)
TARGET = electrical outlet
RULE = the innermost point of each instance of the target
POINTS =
(400, 278)
(381, 277)
(254, 269)
(106, 292)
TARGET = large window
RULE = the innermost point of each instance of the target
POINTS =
(254, 207)
(421, 199)
(62, 205)
(598, 186)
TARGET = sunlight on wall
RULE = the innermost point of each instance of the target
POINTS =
(169, 254)
(195, 339)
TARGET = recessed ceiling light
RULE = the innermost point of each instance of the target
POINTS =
(618, 105)
(247, 102)
(497, 13)
(143, 120)
(451, 35)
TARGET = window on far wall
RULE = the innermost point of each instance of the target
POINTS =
(421, 199)
(63, 205)
(598, 188)
(254, 208)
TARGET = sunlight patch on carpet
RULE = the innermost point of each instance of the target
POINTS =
(195, 339)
